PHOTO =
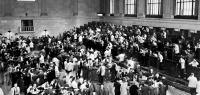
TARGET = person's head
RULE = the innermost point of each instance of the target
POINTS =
(30, 85)
(15, 85)
(151, 70)
(192, 74)
(157, 75)
(124, 79)
(34, 85)
(38, 80)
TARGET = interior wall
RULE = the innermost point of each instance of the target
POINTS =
(55, 16)
(155, 22)
(167, 20)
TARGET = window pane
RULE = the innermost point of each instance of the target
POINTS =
(130, 7)
(111, 6)
(185, 7)
(153, 7)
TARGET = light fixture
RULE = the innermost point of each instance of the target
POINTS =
(9, 33)
(193, 31)
(162, 28)
(176, 29)
(100, 14)
(45, 31)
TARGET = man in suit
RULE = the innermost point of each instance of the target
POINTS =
(102, 72)
(15, 90)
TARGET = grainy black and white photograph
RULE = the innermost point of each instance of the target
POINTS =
(99, 47)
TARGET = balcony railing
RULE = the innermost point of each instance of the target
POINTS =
(27, 28)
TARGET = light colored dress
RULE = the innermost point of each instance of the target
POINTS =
(1, 92)
(198, 88)
(123, 88)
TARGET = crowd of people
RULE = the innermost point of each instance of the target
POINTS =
(97, 58)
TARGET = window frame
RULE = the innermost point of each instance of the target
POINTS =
(192, 16)
(27, 23)
(128, 5)
(151, 4)
(112, 7)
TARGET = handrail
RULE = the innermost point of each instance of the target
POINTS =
(27, 28)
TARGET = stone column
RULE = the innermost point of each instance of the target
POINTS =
(121, 7)
(44, 8)
(8, 7)
(75, 7)
(168, 9)
(102, 6)
(107, 7)
(116, 8)
(2, 7)
(141, 8)
(198, 8)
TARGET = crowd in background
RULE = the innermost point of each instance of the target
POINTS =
(68, 64)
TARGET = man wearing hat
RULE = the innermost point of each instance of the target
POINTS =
(192, 84)
(102, 72)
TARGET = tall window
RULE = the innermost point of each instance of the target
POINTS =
(154, 8)
(186, 8)
(130, 7)
(27, 25)
(112, 6)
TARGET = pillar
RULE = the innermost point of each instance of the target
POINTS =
(141, 6)
(168, 9)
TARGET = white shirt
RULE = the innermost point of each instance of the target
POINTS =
(112, 38)
(80, 39)
(140, 39)
(15, 90)
(131, 63)
(194, 63)
(65, 64)
(31, 45)
(23, 44)
(176, 49)
(74, 84)
(1, 92)
(160, 57)
(56, 61)
(121, 57)
(75, 36)
(91, 56)
(83, 87)
(29, 89)
(95, 54)
(70, 66)
(98, 30)
(107, 53)
(41, 59)
(28, 49)
(192, 81)
(182, 62)
(102, 70)
(198, 87)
